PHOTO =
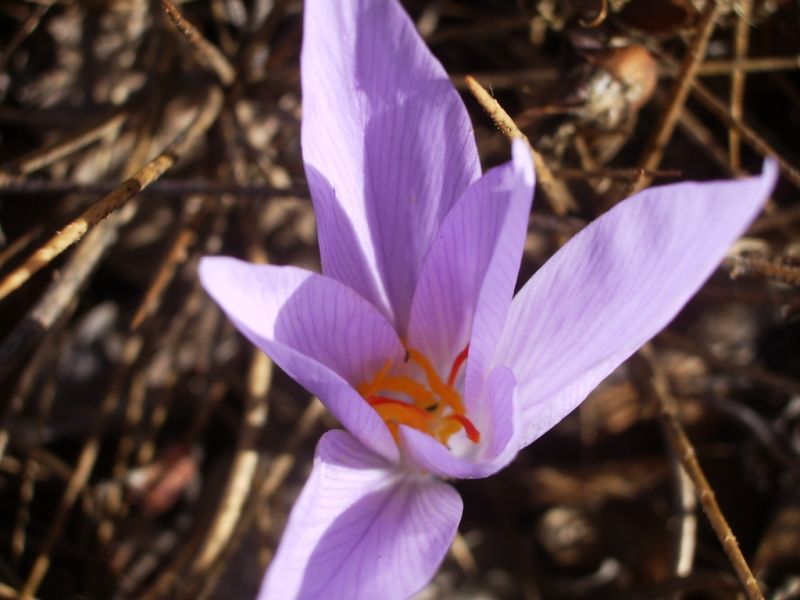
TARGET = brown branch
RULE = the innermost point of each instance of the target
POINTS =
(685, 451)
(206, 53)
(559, 195)
(749, 65)
(758, 143)
(758, 265)
(654, 149)
(741, 43)
(76, 229)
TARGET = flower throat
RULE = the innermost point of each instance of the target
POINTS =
(435, 407)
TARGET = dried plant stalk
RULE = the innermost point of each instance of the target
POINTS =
(741, 43)
(654, 150)
(207, 53)
(685, 451)
(557, 192)
(76, 229)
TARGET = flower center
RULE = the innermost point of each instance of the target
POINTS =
(433, 407)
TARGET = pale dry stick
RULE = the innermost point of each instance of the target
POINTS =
(559, 195)
(763, 266)
(244, 468)
(80, 265)
(76, 229)
(683, 551)
(207, 53)
(43, 157)
(461, 553)
(749, 65)
(683, 447)
(708, 99)
(683, 559)
(6, 591)
(239, 486)
(83, 469)
(741, 43)
(654, 149)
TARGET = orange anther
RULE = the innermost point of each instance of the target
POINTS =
(435, 408)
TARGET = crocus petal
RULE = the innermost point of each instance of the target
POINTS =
(498, 444)
(497, 289)
(322, 333)
(478, 247)
(615, 285)
(362, 528)
(387, 143)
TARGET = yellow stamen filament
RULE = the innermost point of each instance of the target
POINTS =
(435, 409)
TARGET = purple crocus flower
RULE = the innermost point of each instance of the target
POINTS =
(410, 336)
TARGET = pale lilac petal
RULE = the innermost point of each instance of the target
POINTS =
(479, 246)
(497, 289)
(362, 529)
(387, 143)
(323, 334)
(498, 445)
(615, 285)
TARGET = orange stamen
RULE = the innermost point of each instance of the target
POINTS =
(367, 389)
(435, 408)
(421, 395)
(401, 413)
(462, 356)
(448, 394)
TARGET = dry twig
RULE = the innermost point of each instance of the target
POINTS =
(684, 449)
(559, 195)
(654, 150)
(207, 53)
(76, 229)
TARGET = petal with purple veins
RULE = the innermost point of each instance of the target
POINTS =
(362, 528)
(615, 285)
(475, 257)
(322, 333)
(387, 143)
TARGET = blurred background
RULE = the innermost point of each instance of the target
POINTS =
(148, 451)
